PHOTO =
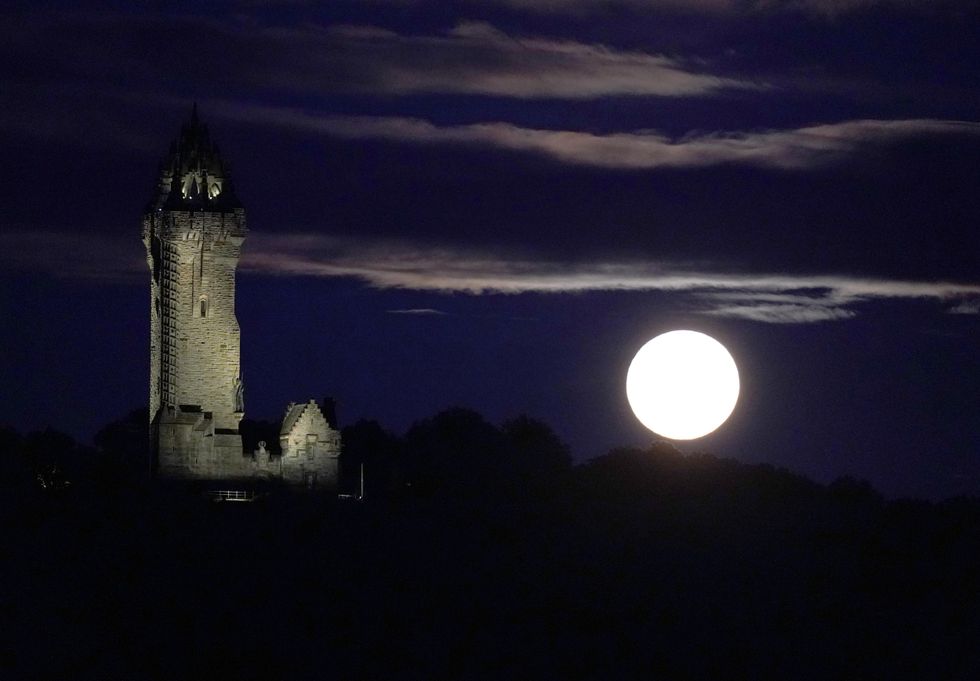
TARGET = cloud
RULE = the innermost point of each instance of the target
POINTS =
(782, 314)
(797, 148)
(769, 298)
(817, 305)
(589, 6)
(828, 8)
(422, 311)
(478, 59)
(392, 264)
(966, 307)
(472, 58)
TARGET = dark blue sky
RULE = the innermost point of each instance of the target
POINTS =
(494, 204)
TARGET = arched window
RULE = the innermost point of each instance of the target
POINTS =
(204, 306)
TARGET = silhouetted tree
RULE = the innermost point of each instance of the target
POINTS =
(11, 452)
(16, 470)
(55, 458)
(846, 488)
(536, 451)
(456, 453)
(648, 563)
(124, 445)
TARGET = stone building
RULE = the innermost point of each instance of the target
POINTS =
(193, 230)
(310, 447)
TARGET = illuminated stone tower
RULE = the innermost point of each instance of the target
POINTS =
(193, 231)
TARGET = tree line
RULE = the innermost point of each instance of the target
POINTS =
(481, 551)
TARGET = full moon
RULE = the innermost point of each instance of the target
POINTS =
(682, 385)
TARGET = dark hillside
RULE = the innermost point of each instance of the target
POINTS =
(639, 564)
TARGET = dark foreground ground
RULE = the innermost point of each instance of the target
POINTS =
(640, 564)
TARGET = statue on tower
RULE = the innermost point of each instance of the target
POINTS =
(239, 393)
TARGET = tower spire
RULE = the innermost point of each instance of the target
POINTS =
(194, 177)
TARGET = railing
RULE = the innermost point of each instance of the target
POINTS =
(231, 495)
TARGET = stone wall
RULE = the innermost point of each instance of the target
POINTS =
(191, 447)
(194, 333)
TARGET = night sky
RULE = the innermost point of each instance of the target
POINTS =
(495, 204)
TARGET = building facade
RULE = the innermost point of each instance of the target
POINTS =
(193, 231)
(310, 447)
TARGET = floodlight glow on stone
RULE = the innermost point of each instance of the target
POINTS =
(682, 385)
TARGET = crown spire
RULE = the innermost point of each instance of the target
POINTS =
(193, 175)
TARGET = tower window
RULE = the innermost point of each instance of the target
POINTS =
(204, 306)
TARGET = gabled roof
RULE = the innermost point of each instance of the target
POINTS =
(294, 412)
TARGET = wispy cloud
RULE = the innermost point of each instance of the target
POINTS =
(966, 307)
(472, 58)
(797, 148)
(782, 314)
(105, 54)
(820, 304)
(816, 7)
(477, 58)
(421, 311)
(769, 298)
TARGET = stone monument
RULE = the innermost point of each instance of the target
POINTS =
(193, 230)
